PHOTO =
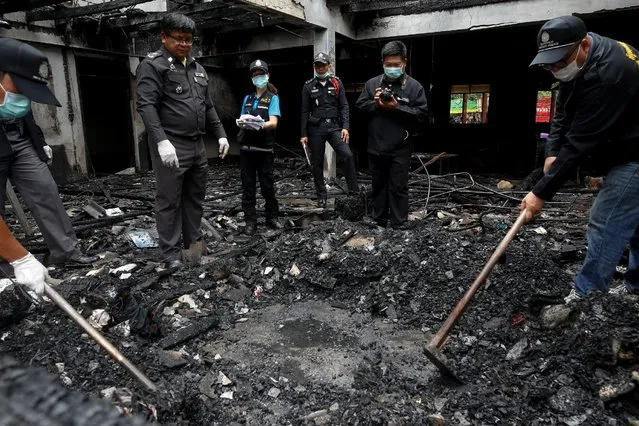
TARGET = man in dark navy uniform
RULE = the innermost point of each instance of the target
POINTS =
(174, 102)
(325, 117)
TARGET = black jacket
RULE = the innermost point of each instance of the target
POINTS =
(324, 101)
(175, 100)
(389, 132)
(34, 132)
(596, 115)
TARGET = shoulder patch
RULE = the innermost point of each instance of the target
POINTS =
(154, 55)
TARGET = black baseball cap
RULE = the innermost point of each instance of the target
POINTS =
(322, 58)
(556, 37)
(258, 65)
(29, 70)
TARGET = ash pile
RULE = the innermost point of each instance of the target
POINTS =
(325, 322)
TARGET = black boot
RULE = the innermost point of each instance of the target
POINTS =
(274, 223)
(250, 228)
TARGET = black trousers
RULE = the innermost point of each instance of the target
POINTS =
(390, 188)
(40, 193)
(258, 165)
(179, 196)
(318, 135)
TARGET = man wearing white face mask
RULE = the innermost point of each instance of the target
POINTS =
(596, 116)
(396, 105)
(24, 72)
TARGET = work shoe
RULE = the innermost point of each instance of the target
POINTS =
(83, 260)
(622, 289)
(573, 296)
(274, 223)
(80, 260)
(173, 264)
(250, 228)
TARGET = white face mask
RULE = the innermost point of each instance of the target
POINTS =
(569, 72)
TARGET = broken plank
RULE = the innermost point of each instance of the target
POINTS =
(74, 12)
(187, 333)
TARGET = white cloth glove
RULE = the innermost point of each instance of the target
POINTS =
(30, 273)
(168, 154)
(224, 147)
(48, 151)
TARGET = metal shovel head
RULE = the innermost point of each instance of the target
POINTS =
(438, 359)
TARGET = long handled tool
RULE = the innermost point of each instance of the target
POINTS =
(432, 350)
(99, 338)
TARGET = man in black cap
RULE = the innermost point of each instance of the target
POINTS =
(176, 107)
(596, 115)
(396, 105)
(24, 73)
(325, 117)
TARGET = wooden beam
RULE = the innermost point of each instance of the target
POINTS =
(382, 5)
(249, 24)
(8, 6)
(74, 12)
(341, 2)
(153, 17)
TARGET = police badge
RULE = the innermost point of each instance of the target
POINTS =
(178, 90)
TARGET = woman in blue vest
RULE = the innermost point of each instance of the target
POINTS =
(257, 143)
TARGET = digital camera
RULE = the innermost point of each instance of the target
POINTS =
(386, 95)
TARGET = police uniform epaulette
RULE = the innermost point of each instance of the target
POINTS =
(309, 81)
(335, 77)
(154, 55)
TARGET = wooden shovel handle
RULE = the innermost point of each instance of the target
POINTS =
(441, 335)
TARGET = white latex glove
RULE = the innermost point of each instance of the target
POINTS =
(224, 147)
(168, 154)
(48, 151)
(31, 273)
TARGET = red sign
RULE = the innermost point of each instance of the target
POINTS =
(543, 110)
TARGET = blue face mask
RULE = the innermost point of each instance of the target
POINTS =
(14, 105)
(393, 72)
(260, 81)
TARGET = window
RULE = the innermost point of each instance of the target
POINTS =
(469, 104)
(546, 100)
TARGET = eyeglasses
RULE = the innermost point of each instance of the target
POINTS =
(184, 41)
(562, 63)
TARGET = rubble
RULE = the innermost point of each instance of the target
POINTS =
(342, 313)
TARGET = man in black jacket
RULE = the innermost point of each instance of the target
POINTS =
(325, 117)
(24, 73)
(395, 104)
(597, 110)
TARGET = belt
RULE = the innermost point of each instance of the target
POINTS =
(328, 120)
(190, 138)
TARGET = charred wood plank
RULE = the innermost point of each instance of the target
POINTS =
(74, 12)
(9, 6)
(187, 333)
